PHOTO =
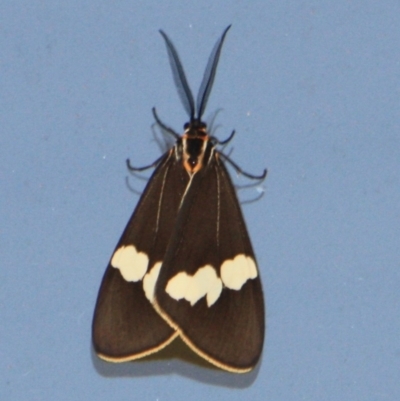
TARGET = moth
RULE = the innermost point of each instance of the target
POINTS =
(184, 265)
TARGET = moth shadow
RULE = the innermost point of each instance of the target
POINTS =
(178, 359)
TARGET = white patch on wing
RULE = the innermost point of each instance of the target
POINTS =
(214, 292)
(149, 281)
(131, 263)
(235, 272)
(204, 282)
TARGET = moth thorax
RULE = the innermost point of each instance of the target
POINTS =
(193, 152)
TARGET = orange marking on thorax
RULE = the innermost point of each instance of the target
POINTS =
(193, 165)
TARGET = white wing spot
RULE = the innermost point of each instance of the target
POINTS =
(235, 272)
(149, 281)
(131, 263)
(204, 282)
(214, 292)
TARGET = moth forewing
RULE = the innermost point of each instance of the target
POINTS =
(209, 288)
(125, 324)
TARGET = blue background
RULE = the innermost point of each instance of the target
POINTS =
(313, 90)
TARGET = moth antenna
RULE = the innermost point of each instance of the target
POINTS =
(180, 80)
(209, 75)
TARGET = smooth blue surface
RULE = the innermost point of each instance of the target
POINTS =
(313, 90)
